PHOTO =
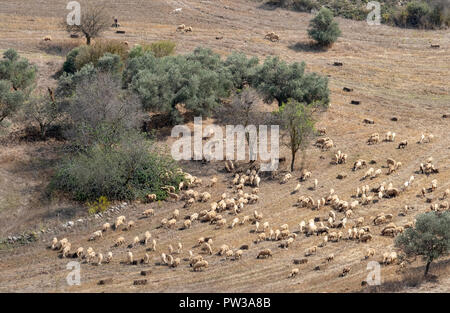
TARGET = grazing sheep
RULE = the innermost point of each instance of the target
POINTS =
(109, 257)
(389, 258)
(151, 197)
(294, 272)
(130, 225)
(330, 257)
(374, 139)
(148, 212)
(171, 223)
(264, 253)
(95, 235)
(119, 241)
(272, 37)
(79, 252)
(119, 221)
(188, 29)
(403, 144)
(181, 27)
(369, 252)
(47, 38)
(446, 194)
(135, 241)
(235, 222)
(238, 254)
(54, 243)
(345, 271)
(130, 257)
(433, 185)
(200, 265)
(310, 251)
(105, 227)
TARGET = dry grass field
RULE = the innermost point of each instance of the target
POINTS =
(393, 72)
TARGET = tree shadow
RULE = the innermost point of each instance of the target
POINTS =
(308, 46)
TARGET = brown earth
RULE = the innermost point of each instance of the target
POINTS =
(393, 72)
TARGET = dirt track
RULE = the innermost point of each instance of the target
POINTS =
(393, 73)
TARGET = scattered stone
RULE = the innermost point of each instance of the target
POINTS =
(341, 176)
(146, 272)
(105, 281)
(140, 282)
(356, 102)
(394, 119)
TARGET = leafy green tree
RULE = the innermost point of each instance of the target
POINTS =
(323, 29)
(276, 79)
(241, 68)
(197, 80)
(297, 121)
(430, 238)
(44, 110)
(17, 80)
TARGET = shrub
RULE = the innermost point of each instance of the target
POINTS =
(69, 64)
(276, 79)
(17, 80)
(417, 13)
(99, 109)
(323, 29)
(98, 206)
(92, 53)
(128, 170)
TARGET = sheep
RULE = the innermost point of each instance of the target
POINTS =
(171, 223)
(100, 259)
(376, 173)
(359, 164)
(294, 272)
(119, 221)
(286, 178)
(207, 247)
(272, 36)
(79, 252)
(213, 181)
(345, 271)
(234, 222)
(220, 223)
(181, 27)
(266, 253)
(163, 258)
(238, 254)
(188, 29)
(66, 250)
(95, 235)
(109, 257)
(310, 251)
(257, 216)
(105, 227)
(199, 265)
(175, 214)
(129, 257)
(119, 241)
(47, 38)
(330, 257)
(187, 224)
(433, 185)
(135, 241)
(427, 137)
(147, 237)
(194, 259)
(261, 237)
(205, 196)
(223, 248)
(390, 136)
(305, 175)
(389, 258)
(54, 243)
(446, 194)
(170, 249)
(403, 144)
(373, 139)
(151, 197)
(130, 225)
(369, 173)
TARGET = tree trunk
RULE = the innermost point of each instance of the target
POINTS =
(293, 160)
(88, 40)
(427, 268)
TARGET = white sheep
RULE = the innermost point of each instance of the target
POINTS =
(109, 257)
(130, 257)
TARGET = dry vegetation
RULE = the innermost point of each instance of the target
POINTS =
(393, 72)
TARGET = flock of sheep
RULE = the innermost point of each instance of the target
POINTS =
(340, 223)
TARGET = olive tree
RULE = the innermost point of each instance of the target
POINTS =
(430, 238)
(17, 80)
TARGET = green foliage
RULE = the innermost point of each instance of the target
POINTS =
(86, 54)
(128, 170)
(69, 64)
(98, 206)
(276, 79)
(197, 80)
(42, 110)
(296, 119)
(430, 238)
(416, 13)
(242, 69)
(17, 80)
(159, 49)
(323, 29)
